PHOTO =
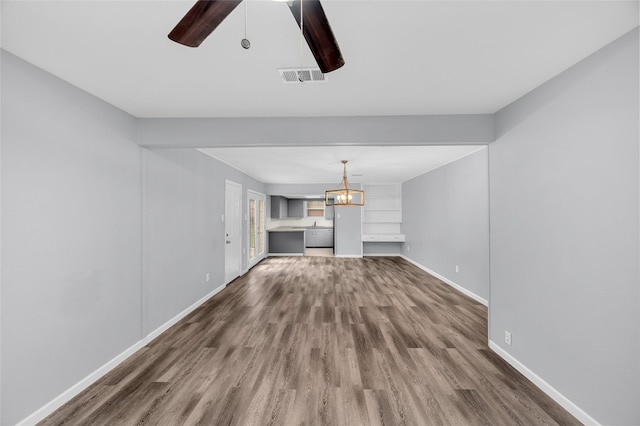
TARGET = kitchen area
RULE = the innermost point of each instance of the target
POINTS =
(300, 226)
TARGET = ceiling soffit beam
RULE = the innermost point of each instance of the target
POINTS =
(471, 129)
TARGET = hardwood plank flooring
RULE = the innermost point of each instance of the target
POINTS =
(320, 341)
(328, 252)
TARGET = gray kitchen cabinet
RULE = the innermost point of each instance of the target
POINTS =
(325, 238)
(279, 207)
(296, 208)
(288, 243)
(310, 238)
(319, 237)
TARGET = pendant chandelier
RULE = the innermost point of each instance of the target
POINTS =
(344, 196)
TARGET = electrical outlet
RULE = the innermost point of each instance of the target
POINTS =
(507, 338)
(207, 277)
(408, 248)
(457, 268)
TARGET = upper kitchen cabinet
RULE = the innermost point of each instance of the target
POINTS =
(279, 207)
(315, 208)
(296, 208)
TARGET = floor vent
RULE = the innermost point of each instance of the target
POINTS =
(302, 75)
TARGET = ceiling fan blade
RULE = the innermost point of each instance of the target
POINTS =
(201, 20)
(318, 34)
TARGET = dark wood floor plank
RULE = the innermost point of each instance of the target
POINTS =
(320, 341)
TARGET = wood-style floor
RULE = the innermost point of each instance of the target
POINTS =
(318, 252)
(321, 341)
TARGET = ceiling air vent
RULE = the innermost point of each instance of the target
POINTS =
(304, 75)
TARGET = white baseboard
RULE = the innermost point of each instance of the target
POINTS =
(567, 404)
(382, 255)
(448, 281)
(254, 263)
(285, 254)
(74, 390)
(349, 256)
(164, 327)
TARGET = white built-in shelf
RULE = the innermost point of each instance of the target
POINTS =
(382, 213)
(376, 238)
(386, 221)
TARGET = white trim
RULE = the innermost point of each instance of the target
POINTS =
(565, 402)
(226, 221)
(244, 271)
(164, 327)
(448, 281)
(74, 390)
(349, 256)
(382, 255)
(233, 279)
(285, 254)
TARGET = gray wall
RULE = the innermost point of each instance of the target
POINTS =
(348, 231)
(184, 198)
(71, 227)
(381, 248)
(445, 219)
(564, 233)
(78, 195)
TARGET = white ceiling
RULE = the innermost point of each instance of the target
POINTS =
(402, 57)
(367, 164)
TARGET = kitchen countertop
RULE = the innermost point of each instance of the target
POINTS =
(296, 228)
(286, 229)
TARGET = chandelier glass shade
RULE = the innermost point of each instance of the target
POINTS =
(344, 196)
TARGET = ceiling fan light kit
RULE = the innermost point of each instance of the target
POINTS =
(205, 16)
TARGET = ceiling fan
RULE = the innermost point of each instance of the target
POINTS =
(206, 15)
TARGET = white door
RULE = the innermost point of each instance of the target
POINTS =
(256, 233)
(233, 231)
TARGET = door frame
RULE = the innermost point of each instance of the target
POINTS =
(229, 278)
(257, 195)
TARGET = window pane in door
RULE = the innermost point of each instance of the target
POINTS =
(260, 227)
(252, 228)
